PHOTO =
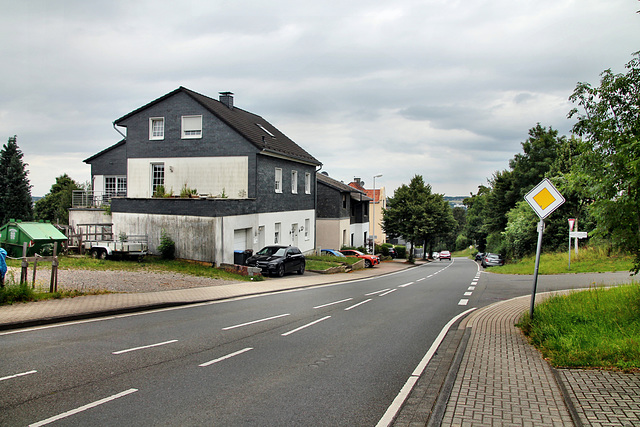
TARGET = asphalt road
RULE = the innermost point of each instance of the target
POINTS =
(328, 355)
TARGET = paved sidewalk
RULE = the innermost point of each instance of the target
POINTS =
(66, 309)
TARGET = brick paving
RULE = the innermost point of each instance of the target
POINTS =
(502, 380)
(604, 398)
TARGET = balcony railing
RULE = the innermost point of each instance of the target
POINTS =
(93, 199)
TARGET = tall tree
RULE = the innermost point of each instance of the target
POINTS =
(405, 213)
(54, 206)
(608, 119)
(15, 190)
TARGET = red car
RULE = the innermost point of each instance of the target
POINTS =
(369, 260)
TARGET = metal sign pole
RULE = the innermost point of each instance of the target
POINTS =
(535, 272)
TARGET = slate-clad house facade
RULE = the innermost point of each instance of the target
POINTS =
(342, 215)
(253, 185)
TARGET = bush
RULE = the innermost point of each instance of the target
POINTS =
(13, 292)
(167, 246)
(401, 251)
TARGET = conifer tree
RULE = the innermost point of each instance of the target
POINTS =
(15, 190)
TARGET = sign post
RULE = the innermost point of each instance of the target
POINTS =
(543, 199)
(572, 221)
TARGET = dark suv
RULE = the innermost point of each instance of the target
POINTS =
(278, 260)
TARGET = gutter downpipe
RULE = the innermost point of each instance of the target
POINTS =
(116, 129)
(315, 213)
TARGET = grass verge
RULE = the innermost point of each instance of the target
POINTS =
(598, 328)
(590, 260)
(14, 292)
(325, 262)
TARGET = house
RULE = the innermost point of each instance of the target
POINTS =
(378, 202)
(342, 214)
(214, 177)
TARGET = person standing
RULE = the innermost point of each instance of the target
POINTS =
(3, 266)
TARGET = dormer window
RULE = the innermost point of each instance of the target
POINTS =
(191, 127)
(156, 128)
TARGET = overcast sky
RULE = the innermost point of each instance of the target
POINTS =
(447, 89)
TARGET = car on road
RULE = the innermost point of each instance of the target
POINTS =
(492, 260)
(444, 255)
(278, 260)
(479, 256)
(435, 255)
(331, 252)
(369, 260)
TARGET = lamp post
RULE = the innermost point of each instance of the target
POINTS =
(373, 220)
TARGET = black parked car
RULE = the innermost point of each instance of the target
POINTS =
(479, 256)
(278, 260)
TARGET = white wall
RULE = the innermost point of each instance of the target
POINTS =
(212, 239)
(208, 175)
(358, 231)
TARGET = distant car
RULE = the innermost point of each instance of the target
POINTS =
(435, 255)
(331, 252)
(479, 256)
(278, 260)
(492, 260)
(393, 253)
(445, 255)
(369, 260)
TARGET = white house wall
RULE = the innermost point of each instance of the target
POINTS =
(207, 175)
(212, 239)
(358, 231)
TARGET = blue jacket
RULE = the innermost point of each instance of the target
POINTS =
(3, 263)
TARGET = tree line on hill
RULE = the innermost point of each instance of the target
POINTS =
(596, 169)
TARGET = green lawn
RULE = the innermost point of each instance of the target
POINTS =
(598, 328)
(590, 260)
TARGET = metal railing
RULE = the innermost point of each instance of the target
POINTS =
(93, 199)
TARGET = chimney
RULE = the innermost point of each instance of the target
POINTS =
(227, 99)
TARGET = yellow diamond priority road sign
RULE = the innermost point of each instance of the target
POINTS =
(544, 198)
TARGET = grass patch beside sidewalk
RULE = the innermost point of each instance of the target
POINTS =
(597, 328)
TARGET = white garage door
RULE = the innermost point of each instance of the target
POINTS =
(240, 239)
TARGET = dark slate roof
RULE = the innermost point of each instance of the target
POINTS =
(106, 150)
(341, 186)
(246, 124)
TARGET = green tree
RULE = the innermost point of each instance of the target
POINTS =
(15, 190)
(408, 213)
(54, 206)
(608, 121)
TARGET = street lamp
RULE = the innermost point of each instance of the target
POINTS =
(373, 217)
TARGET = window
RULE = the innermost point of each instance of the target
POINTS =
(157, 176)
(191, 127)
(156, 128)
(344, 201)
(276, 237)
(278, 180)
(307, 183)
(307, 225)
(265, 130)
(294, 182)
(115, 186)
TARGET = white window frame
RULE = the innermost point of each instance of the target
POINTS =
(294, 182)
(276, 235)
(191, 127)
(307, 183)
(156, 134)
(278, 180)
(307, 225)
(157, 183)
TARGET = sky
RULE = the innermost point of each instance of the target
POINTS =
(445, 89)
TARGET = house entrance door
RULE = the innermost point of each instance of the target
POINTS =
(294, 234)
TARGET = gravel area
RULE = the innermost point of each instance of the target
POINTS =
(119, 281)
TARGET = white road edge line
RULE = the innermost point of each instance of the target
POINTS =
(228, 356)
(406, 284)
(255, 321)
(83, 408)
(333, 303)
(463, 302)
(387, 293)
(144, 347)
(392, 411)
(18, 375)
(360, 303)
(305, 326)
